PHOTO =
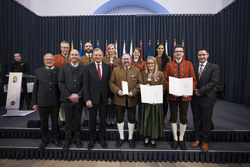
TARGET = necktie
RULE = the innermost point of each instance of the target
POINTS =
(99, 71)
(200, 71)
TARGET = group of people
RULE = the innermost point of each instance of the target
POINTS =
(68, 83)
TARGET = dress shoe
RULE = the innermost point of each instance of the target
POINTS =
(195, 143)
(103, 143)
(204, 146)
(119, 143)
(61, 124)
(79, 144)
(43, 145)
(174, 144)
(183, 145)
(57, 143)
(146, 144)
(85, 123)
(91, 144)
(131, 143)
(153, 143)
(66, 146)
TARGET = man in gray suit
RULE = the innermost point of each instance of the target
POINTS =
(45, 99)
(204, 98)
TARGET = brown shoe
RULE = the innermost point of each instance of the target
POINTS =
(195, 143)
(204, 147)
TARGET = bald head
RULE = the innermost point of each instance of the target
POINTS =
(74, 56)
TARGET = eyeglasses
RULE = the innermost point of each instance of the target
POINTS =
(178, 51)
(151, 63)
(48, 59)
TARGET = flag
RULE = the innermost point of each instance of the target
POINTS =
(124, 47)
(97, 44)
(158, 41)
(149, 48)
(131, 48)
(72, 47)
(141, 50)
(183, 57)
(174, 46)
(106, 48)
(80, 50)
(166, 47)
(116, 50)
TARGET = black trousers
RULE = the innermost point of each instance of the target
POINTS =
(183, 109)
(120, 110)
(102, 107)
(165, 105)
(24, 93)
(44, 113)
(73, 114)
(202, 117)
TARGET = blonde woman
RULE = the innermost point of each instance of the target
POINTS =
(150, 121)
(112, 60)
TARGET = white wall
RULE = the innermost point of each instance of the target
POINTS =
(88, 7)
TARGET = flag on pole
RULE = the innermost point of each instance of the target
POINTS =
(80, 50)
(131, 48)
(141, 49)
(106, 48)
(174, 46)
(183, 57)
(124, 47)
(97, 44)
(149, 48)
(72, 47)
(158, 41)
(116, 50)
(166, 47)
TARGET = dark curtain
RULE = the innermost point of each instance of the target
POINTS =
(225, 35)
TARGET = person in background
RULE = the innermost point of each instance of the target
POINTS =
(113, 61)
(150, 121)
(21, 66)
(179, 69)
(136, 60)
(162, 59)
(46, 100)
(204, 98)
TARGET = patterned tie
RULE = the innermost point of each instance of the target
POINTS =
(200, 71)
(99, 71)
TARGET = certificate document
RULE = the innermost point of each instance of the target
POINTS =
(125, 87)
(151, 94)
(181, 86)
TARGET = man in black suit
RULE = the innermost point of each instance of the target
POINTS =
(97, 95)
(204, 98)
(71, 87)
(45, 99)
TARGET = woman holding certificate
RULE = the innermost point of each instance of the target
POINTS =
(150, 122)
(113, 61)
(136, 60)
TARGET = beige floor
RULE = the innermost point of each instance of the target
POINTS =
(53, 163)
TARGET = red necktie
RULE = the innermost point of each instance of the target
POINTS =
(99, 71)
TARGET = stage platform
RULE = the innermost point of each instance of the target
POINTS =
(230, 141)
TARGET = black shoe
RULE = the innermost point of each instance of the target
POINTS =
(119, 143)
(91, 144)
(43, 145)
(85, 123)
(66, 146)
(174, 145)
(183, 145)
(79, 144)
(146, 144)
(61, 124)
(153, 145)
(57, 143)
(103, 143)
(131, 143)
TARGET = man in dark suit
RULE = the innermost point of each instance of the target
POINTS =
(202, 104)
(71, 87)
(45, 99)
(97, 95)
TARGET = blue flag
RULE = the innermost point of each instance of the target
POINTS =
(80, 50)
(97, 45)
(149, 49)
